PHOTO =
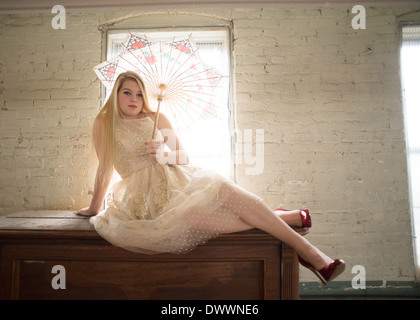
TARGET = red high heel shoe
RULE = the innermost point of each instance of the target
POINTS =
(333, 270)
(304, 215)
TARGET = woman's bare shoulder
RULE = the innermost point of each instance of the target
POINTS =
(164, 122)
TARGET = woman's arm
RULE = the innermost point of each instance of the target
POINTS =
(102, 181)
(177, 153)
(103, 173)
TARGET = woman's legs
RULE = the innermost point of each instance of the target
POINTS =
(252, 212)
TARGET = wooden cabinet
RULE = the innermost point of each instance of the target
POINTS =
(242, 266)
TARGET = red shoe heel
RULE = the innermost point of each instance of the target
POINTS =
(305, 217)
(333, 270)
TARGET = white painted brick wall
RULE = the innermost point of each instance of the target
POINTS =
(329, 100)
(49, 99)
(327, 96)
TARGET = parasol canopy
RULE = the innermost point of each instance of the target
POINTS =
(177, 82)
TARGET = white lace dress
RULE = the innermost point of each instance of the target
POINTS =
(164, 208)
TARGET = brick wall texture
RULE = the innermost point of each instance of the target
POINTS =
(327, 96)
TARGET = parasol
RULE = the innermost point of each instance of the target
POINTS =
(173, 74)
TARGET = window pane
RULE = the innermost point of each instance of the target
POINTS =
(410, 71)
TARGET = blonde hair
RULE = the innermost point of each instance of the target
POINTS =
(108, 117)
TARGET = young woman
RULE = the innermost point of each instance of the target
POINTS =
(162, 204)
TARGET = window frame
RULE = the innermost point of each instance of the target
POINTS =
(109, 30)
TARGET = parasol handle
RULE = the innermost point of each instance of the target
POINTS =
(159, 98)
(156, 118)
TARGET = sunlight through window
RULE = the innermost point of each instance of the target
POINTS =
(410, 71)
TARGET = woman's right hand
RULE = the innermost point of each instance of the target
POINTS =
(88, 212)
(154, 149)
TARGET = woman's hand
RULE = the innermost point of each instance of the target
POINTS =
(88, 212)
(154, 149)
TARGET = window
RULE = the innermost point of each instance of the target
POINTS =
(410, 72)
(209, 144)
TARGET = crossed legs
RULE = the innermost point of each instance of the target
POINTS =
(251, 212)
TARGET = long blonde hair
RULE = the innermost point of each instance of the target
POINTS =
(108, 117)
